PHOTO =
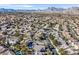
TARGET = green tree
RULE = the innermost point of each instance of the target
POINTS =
(17, 33)
(51, 37)
(21, 38)
(62, 51)
(65, 38)
(4, 33)
(55, 42)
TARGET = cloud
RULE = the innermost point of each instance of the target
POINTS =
(27, 6)
(21, 5)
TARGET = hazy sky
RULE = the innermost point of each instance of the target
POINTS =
(36, 6)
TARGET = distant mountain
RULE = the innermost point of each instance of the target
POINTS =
(55, 9)
(20, 10)
(76, 8)
(12, 10)
(72, 10)
(7, 10)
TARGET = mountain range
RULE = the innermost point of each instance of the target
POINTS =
(52, 9)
